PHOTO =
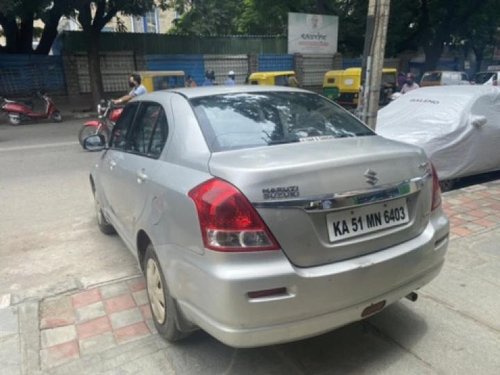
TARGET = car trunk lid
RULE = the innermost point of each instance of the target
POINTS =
(309, 193)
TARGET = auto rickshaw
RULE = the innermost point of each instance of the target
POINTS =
(331, 84)
(283, 78)
(162, 79)
(348, 83)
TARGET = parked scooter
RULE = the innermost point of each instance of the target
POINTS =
(108, 114)
(19, 112)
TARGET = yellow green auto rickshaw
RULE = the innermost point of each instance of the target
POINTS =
(282, 78)
(162, 79)
(331, 84)
(348, 84)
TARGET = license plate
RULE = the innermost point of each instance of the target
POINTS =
(362, 220)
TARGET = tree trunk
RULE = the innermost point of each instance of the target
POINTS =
(25, 34)
(479, 58)
(48, 36)
(432, 54)
(96, 86)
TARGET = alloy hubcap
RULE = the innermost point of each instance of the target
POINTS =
(155, 291)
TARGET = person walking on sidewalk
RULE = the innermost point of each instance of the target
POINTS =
(190, 82)
(231, 79)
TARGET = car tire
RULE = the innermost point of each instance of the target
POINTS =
(103, 224)
(447, 185)
(164, 309)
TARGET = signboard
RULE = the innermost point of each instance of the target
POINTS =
(312, 33)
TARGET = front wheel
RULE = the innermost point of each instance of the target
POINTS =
(447, 185)
(14, 119)
(163, 306)
(56, 116)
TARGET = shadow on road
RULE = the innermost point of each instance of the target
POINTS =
(476, 179)
(357, 348)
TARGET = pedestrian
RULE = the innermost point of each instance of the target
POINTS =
(401, 80)
(190, 82)
(410, 84)
(230, 81)
(208, 79)
(293, 82)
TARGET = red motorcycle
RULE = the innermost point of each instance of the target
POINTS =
(18, 111)
(108, 114)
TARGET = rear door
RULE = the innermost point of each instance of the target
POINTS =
(111, 173)
(140, 163)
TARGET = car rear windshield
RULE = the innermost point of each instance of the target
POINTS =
(246, 120)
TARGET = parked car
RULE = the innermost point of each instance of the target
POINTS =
(444, 78)
(458, 127)
(266, 214)
(488, 78)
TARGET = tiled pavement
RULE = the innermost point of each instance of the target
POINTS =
(115, 320)
(91, 321)
(473, 210)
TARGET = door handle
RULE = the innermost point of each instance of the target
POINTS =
(112, 164)
(141, 176)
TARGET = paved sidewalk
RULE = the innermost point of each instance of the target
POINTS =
(89, 322)
(473, 210)
(108, 328)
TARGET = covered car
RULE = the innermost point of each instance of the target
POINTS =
(457, 126)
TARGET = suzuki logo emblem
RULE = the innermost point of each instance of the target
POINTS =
(371, 177)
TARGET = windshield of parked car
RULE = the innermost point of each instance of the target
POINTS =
(483, 77)
(246, 120)
(431, 77)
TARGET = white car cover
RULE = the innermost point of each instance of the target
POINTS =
(457, 126)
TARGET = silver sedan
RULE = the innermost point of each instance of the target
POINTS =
(266, 215)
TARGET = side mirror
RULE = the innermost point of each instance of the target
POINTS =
(95, 142)
(479, 121)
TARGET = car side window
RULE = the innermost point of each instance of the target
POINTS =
(149, 132)
(122, 126)
(159, 136)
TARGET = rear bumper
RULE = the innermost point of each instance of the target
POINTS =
(213, 294)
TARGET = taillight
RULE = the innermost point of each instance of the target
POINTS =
(228, 221)
(436, 190)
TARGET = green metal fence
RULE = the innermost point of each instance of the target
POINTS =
(75, 41)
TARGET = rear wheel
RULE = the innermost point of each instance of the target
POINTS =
(163, 306)
(447, 185)
(103, 224)
(56, 116)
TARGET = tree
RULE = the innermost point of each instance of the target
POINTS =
(439, 21)
(207, 17)
(481, 32)
(16, 19)
(93, 16)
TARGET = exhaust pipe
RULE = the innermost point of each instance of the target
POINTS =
(413, 296)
